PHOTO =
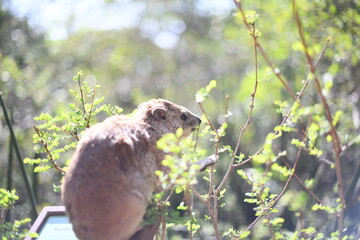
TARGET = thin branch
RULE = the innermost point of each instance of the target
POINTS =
(74, 134)
(263, 53)
(304, 134)
(302, 183)
(248, 121)
(208, 120)
(212, 208)
(226, 108)
(293, 169)
(54, 165)
(335, 138)
(168, 197)
(81, 96)
(312, 66)
(91, 109)
(215, 217)
(197, 194)
(163, 228)
(325, 47)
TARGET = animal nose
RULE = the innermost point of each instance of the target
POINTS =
(199, 120)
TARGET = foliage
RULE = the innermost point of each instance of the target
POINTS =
(60, 134)
(16, 229)
(179, 159)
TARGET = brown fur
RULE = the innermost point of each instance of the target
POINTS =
(111, 176)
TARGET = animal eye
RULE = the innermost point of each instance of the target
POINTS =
(184, 117)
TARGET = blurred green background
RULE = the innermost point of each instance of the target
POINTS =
(137, 50)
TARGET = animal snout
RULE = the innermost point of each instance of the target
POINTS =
(196, 122)
(199, 120)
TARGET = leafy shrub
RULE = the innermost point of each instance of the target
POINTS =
(9, 230)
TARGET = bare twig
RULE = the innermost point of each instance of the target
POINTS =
(168, 197)
(197, 194)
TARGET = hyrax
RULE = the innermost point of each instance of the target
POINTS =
(111, 176)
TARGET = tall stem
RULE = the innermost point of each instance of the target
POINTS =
(20, 159)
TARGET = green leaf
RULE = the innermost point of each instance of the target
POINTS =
(250, 200)
(242, 174)
(78, 75)
(203, 93)
(33, 235)
(315, 152)
(337, 117)
(309, 183)
(277, 221)
(32, 161)
(210, 86)
(284, 128)
(281, 169)
(297, 143)
(251, 16)
(245, 235)
(41, 168)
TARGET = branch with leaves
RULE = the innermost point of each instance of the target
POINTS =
(58, 135)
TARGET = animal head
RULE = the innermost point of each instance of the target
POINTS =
(167, 117)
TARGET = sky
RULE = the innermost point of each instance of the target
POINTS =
(59, 17)
(56, 17)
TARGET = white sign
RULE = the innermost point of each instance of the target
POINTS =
(57, 228)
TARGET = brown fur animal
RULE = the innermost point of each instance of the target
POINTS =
(111, 176)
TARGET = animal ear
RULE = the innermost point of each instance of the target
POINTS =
(159, 113)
